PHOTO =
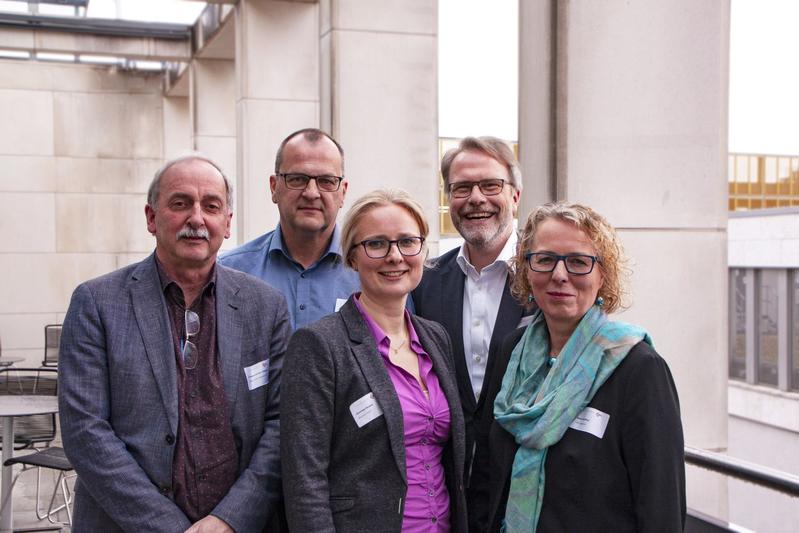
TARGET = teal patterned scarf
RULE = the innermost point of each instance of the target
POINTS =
(537, 403)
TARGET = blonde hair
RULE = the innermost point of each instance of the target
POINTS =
(612, 262)
(378, 198)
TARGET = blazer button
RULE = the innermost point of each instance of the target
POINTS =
(164, 490)
(170, 439)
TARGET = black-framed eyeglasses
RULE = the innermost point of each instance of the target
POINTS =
(463, 189)
(577, 264)
(380, 248)
(192, 327)
(297, 181)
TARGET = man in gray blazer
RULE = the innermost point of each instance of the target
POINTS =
(169, 376)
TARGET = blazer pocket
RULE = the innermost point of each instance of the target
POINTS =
(339, 504)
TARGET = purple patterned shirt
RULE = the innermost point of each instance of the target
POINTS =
(426, 421)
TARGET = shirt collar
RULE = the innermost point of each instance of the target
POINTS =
(334, 248)
(166, 281)
(381, 339)
(504, 257)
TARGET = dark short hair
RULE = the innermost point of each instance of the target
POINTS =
(313, 136)
(494, 148)
(155, 185)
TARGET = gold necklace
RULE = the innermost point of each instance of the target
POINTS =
(399, 346)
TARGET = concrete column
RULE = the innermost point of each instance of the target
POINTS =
(212, 93)
(639, 133)
(379, 95)
(276, 91)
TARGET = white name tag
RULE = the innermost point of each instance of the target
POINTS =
(591, 421)
(257, 374)
(365, 409)
(339, 303)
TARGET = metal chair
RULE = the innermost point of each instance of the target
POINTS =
(55, 459)
(52, 340)
(33, 430)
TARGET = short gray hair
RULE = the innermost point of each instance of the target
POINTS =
(494, 148)
(155, 185)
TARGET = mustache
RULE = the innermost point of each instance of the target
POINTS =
(191, 233)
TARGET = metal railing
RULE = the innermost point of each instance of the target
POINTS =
(740, 469)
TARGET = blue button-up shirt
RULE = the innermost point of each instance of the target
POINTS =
(311, 293)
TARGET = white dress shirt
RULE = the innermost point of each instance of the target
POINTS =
(482, 294)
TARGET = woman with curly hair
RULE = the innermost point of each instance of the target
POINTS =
(585, 433)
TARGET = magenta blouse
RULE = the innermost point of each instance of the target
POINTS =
(426, 421)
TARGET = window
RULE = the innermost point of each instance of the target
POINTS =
(794, 382)
(738, 323)
(768, 330)
(764, 327)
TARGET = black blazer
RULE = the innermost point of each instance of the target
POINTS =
(439, 297)
(337, 476)
(632, 479)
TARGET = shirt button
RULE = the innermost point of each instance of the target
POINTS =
(434, 520)
(478, 359)
(302, 275)
(476, 323)
(429, 418)
(430, 493)
(302, 307)
(170, 439)
(424, 441)
(427, 466)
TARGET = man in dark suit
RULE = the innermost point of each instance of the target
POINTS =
(466, 289)
(169, 376)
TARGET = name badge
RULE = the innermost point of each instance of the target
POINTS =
(257, 374)
(591, 421)
(365, 409)
(339, 303)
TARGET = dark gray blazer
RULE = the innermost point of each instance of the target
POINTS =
(118, 399)
(337, 476)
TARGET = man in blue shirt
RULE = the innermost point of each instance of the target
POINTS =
(302, 256)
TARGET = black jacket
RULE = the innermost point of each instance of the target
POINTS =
(632, 479)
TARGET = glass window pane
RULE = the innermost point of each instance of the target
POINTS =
(768, 334)
(738, 324)
(795, 332)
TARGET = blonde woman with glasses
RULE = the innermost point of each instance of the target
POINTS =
(372, 431)
(585, 433)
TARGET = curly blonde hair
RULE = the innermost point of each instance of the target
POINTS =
(612, 262)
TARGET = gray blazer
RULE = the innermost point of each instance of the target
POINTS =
(118, 400)
(337, 476)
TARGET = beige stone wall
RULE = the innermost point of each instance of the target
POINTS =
(78, 147)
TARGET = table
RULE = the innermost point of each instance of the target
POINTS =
(10, 407)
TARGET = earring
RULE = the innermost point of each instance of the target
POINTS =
(530, 298)
(600, 301)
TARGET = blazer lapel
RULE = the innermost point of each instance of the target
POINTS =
(374, 371)
(453, 280)
(151, 316)
(229, 329)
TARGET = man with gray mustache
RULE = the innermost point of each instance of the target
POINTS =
(466, 289)
(170, 375)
